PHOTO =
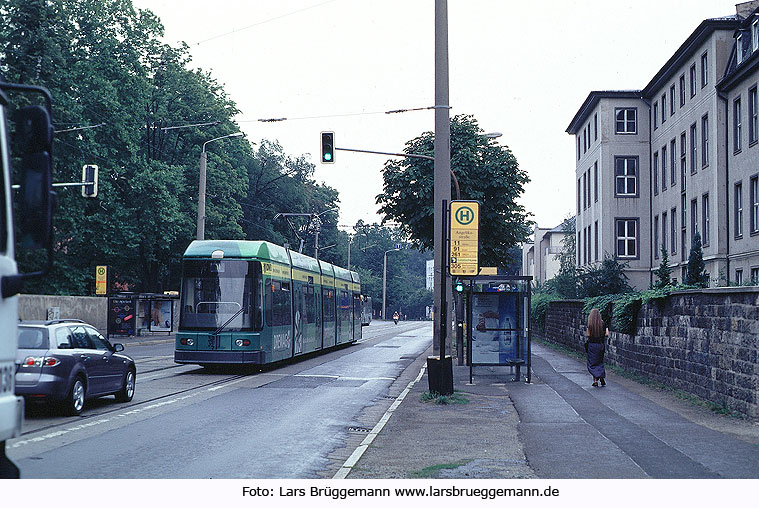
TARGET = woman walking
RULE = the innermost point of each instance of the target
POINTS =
(595, 348)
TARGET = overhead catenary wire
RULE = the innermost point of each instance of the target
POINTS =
(337, 115)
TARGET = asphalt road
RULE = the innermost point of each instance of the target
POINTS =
(187, 423)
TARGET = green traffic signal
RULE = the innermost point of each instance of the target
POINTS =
(328, 147)
(460, 287)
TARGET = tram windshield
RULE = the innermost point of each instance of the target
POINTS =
(221, 295)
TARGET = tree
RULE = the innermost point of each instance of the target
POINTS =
(565, 283)
(696, 272)
(486, 171)
(608, 278)
(664, 272)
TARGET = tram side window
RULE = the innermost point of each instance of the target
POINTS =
(345, 306)
(280, 303)
(329, 305)
(310, 301)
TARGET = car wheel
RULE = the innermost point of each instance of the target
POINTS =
(74, 403)
(127, 391)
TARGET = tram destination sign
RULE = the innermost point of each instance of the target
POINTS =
(464, 238)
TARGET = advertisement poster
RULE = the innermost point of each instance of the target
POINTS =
(160, 316)
(494, 338)
(121, 316)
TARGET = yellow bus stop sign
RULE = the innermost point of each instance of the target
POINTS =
(464, 238)
(101, 280)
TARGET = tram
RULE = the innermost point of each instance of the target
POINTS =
(254, 302)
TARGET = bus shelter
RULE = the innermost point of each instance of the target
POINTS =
(498, 317)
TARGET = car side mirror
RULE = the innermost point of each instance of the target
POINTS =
(64, 345)
(118, 347)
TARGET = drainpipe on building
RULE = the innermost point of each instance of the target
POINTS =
(650, 200)
(727, 184)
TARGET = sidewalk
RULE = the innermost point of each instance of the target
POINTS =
(477, 439)
(559, 415)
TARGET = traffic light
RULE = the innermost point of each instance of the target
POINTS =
(459, 287)
(90, 177)
(328, 147)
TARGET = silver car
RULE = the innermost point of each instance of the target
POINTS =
(67, 361)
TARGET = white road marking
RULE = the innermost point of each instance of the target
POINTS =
(359, 451)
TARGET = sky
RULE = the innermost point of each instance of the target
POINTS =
(520, 68)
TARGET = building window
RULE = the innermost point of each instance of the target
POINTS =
(693, 217)
(683, 164)
(739, 48)
(584, 140)
(663, 231)
(755, 275)
(627, 120)
(656, 115)
(626, 176)
(595, 240)
(673, 235)
(738, 210)
(682, 90)
(584, 191)
(663, 108)
(753, 117)
(705, 220)
(664, 168)
(693, 149)
(627, 238)
(704, 70)
(655, 171)
(672, 100)
(595, 182)
(579, 152)
(579, 195)
(705, 140)
(755, 34)
(673, 162)
(656, 237)
(595, 127)
(693, 80)
(739, 276)
(753, 189)
(737, 125)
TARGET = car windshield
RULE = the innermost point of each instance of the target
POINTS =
(32, 338)
(221, 293)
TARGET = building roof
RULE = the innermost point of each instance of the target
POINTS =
(591, 101)
(735, 73)
(686, 50)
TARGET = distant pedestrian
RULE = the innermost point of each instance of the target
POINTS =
(595, 347)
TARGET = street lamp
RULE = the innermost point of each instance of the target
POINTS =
(201, 233)
(384, 282)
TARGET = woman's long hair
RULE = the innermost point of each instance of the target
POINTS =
(595, 324)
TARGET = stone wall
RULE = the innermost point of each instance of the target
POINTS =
(91, 309)
(703, 342)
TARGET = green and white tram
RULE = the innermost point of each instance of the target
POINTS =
(253, 302)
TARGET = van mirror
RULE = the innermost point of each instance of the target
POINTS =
(34, 135)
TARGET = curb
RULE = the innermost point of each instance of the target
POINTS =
(346, 468)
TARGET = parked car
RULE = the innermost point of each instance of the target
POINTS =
(67, 361)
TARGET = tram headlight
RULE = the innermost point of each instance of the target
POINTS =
(242, 342)
(187, 342)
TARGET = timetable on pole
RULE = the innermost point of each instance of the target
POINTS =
(464, 238)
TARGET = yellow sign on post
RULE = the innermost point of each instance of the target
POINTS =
(464, 238)
(101, 280)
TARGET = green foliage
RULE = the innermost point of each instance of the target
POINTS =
(696, 272)
(538, 308)
(664, 272)
(620, 311)
(444, 400)
(604, 279)
(486, 171)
